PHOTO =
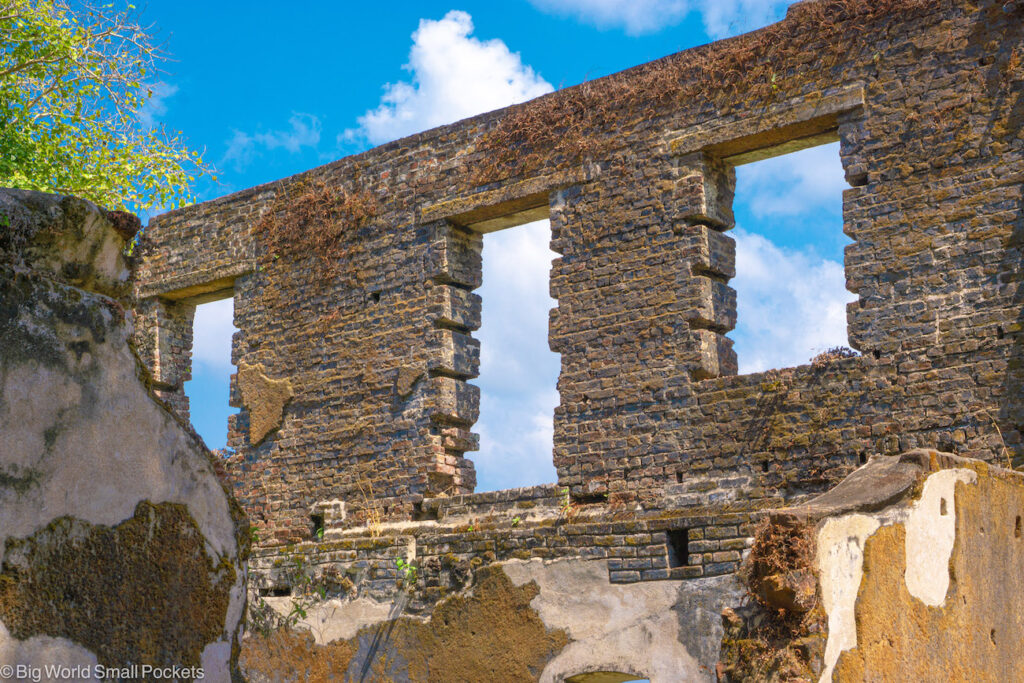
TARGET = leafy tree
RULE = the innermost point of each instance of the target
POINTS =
(74, 83)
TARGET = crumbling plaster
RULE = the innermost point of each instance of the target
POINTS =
(84, 445)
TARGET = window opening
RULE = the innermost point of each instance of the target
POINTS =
(209, 389)
(790, 281)
(518, 371)
(678, 547)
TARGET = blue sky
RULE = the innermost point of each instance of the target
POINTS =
(271, 89)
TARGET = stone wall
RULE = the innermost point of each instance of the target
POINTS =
(353, 296)
(511, 585)
(119, 545)
(913, 567)
(375, 334)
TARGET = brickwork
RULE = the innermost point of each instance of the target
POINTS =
(164, 331)
(379, 348)
(488, 529)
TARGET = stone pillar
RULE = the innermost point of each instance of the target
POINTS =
(451, 403)
(703, 212)
(163, 338)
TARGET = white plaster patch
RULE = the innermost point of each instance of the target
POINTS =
(931, 532)
(43, 651)
(214, 662)
(930, 524)
(96, 444)
(97, 456)
(630, 628)
(336, 619)
(840, 556)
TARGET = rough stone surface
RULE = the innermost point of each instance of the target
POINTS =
(360, 295)
(118, 542)
(264, 398)
(72, 580)
(380, 346)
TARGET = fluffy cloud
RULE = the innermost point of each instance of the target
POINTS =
(721, 17)
(792, 184)
(454, 75)
(518, 371)
(516, 435)
(724, 18)
(303, 131)
(791, 304)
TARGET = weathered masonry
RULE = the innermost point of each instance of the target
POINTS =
(353, 295)
(119, 544)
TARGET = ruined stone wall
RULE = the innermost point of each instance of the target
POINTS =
(510, 585)
(376, 341)
(353, 292)
(912, 565)
(119, 545)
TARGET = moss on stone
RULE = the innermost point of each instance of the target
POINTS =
(144, 591)
(492, 634)
(19, 481)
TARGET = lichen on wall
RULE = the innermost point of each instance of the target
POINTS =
(976, 630)
(490, 634)
(264, 398)
(917, 570)
(143, 591)
(118, 542)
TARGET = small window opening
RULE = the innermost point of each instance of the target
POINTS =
(790, 282)
(209, 389)
(317, 523)
(862, 458)
(680, 477)
(590, 498)
(275, 592)
(1016, 528)
(678, 547)
(942, 506)
(764, 465)
(421, 514)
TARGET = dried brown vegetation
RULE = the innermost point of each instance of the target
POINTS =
(581, 122)
(312, 218)
(833, 354)
(781, 636)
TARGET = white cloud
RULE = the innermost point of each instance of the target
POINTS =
(516, 436)
(211, 337)
(454, 75)
(518, 371)
(304, 131)
(793, 184)
(155, 106)
(722, 18)
(791, 304)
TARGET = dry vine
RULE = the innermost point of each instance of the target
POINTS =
(313, 218)
(580, 122)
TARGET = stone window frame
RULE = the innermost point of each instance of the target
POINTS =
(706, 157)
